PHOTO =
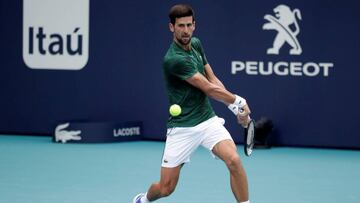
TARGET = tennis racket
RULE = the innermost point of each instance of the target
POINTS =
(249, 137)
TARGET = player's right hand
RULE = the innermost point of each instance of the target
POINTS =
(243, 117)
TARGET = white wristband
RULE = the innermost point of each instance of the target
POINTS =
(239, 101)
(234, 108)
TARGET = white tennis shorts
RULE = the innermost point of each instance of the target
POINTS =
(181, 142)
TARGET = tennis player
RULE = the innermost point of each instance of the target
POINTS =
(190, 80)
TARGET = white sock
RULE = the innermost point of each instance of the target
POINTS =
(144, 199)
(245, 202)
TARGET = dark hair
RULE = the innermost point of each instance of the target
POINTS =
(179, 11)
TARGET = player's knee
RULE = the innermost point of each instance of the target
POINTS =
(233, 162)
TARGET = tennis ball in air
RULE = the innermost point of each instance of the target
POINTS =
(175, 110)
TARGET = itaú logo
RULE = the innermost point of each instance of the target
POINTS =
(56, 34)
(281, 22)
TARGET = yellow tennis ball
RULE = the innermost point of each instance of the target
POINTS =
(175, 110)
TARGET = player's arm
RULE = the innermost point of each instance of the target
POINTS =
(218, 92)
(212, 90)
(210, 75)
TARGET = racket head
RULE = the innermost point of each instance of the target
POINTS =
(249, 138)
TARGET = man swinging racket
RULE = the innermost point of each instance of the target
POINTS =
(190, 81)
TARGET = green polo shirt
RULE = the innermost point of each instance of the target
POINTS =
(178, 66)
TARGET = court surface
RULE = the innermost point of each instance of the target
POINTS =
(35, 170)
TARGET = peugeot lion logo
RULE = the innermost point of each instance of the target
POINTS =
(285, 22)
(281, 23)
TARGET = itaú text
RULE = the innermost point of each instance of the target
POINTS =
(281, 68)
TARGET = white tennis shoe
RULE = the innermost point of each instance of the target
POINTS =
(137, 198)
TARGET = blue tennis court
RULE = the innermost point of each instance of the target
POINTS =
(34, 169)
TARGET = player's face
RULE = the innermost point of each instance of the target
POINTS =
(183, 29)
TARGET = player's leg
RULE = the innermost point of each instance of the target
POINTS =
(226, 150)
(219, 141)
(180, 144)
(166, 185)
